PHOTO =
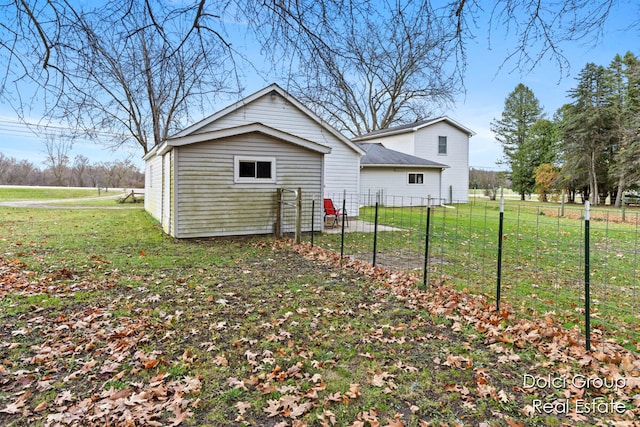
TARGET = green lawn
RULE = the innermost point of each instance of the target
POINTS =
(8, 194)
(105, 320)
(542, 260)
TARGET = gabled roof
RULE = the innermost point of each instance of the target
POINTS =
(378, 155)
(272, 88)
(178, 141)
(413, 127)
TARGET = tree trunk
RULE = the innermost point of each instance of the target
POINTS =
(620, 192)
(593, 180)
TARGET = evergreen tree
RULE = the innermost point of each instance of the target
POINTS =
(587, 131)
(573, 176)
(521, 111)
(625, 109)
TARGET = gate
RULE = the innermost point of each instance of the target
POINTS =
(289, 213)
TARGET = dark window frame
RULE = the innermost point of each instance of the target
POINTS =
(442, 144)
(415, 178)
(254, 169)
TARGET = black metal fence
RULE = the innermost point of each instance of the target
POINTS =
(575, 266)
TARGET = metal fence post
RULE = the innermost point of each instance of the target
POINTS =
(298, 236)
(587, 278)
(313, 215)
(344, 206)
(499, 273)
(375, 236)
(426, 247)
(279, 212)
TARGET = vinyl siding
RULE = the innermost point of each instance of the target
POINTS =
(457, 157)
(167, 193)
(153, 187)
(390, 186)
(402, 142)
(341, 170)
(424, 143)
(209, 203)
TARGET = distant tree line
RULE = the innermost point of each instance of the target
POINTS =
(487, 180)
(77, 173)
(590, 148)
(134, 72)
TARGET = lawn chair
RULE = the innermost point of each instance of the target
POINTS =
(331, 212)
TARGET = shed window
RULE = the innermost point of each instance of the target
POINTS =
(416, 178)
(254, 169)
(442, 145)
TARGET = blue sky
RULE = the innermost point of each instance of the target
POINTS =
(488, 84)
(488, 81)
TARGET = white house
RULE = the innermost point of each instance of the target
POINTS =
(441, 140)
(220, 176)
(392, 178)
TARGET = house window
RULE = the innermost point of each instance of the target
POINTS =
(442, 145)
(254, 169)
(416, 178)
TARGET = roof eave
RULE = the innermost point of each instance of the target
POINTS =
(262, 92)
(245, 129)
(392, 132)
(391, 165)
(383, 134)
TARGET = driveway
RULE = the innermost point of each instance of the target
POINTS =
(69, 203)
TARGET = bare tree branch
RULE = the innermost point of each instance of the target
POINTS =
(139, 69)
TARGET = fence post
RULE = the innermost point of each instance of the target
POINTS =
(344, 206)
(279, 212)
(299, 216)
(375, 235)
(624, 205)
(587, 278)
(426, 246)
(313, 215)
(499, 273)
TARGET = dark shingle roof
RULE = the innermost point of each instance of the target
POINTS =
(378, 155)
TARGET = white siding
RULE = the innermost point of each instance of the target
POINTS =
(390, 186)
(424, 143)
(342, 165)
(153, 187)
(402, 142)
(167, 192)
(209, 203)
(457, 157)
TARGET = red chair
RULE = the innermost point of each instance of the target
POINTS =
(331, 211)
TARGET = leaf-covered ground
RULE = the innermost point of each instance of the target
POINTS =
(281, 335)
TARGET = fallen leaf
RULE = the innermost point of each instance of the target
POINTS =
(273, 408)
(242, 406)
(41, 407)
